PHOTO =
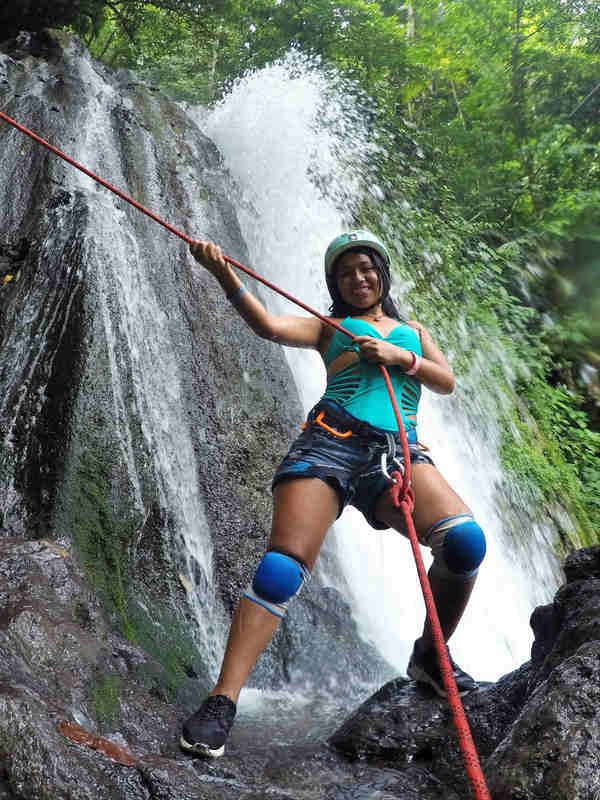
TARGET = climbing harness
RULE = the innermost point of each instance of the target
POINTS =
(401, 490)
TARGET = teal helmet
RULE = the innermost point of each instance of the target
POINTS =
(350, 240)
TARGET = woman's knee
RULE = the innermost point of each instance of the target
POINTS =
(458, 546)
(279, 577)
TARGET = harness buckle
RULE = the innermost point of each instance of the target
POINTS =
(320, 421)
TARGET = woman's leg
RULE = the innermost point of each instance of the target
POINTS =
(434, 500)
(303, 511)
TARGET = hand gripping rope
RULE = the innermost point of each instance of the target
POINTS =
(401, 490)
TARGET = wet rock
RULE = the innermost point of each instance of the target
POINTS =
(410, 729)
(572, 620)
(583, 564)
(406, 724)
(552, 752)
(536, 729)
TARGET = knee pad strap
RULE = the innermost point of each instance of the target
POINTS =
(458, 546)
(278, 577)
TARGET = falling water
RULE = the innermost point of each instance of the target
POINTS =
(282, 131)
(139, 331)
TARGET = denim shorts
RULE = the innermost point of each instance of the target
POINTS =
(352, 466)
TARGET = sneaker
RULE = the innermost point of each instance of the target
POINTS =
(205, 732)
(423, 668)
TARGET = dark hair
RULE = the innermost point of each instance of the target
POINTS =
(339, 308)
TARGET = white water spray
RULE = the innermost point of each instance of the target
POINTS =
(272, 134)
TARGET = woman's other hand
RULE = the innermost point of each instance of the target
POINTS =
(210, 256)
(378, 351)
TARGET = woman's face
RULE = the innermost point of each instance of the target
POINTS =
(357, 280)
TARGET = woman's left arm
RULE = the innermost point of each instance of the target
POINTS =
(433, 370)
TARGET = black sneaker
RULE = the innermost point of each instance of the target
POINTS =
(424, 668)
(205, 732)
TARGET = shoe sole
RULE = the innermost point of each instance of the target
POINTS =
(420, 676)
(200, 749)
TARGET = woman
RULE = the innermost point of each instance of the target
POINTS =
(337, 460)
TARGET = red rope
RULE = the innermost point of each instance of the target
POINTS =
(402, 493)
(403, 498)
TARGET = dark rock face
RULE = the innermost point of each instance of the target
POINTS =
(35, 426)
(537, 730)
(553, 749)
(59, 660)
(408, 728)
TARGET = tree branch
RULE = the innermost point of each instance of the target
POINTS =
(584, 101)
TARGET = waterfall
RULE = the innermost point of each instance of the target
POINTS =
(144, 341)
(295, 143)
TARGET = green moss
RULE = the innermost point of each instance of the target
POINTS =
(536, 447)
(166, 638)
(203, 193)
(104, 528)
(105, 696)
(102, 536)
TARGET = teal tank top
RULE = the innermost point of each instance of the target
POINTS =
(360, 388)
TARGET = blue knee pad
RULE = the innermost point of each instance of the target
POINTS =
(458, 546)
(277, 579)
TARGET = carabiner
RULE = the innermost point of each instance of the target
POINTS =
(398, 463)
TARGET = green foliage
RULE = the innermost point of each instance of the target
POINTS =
(557, 454)
(562, 421)
(174, 51)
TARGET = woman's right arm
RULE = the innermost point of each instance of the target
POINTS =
(285, 329)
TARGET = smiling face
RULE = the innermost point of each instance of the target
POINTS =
(358, 280)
